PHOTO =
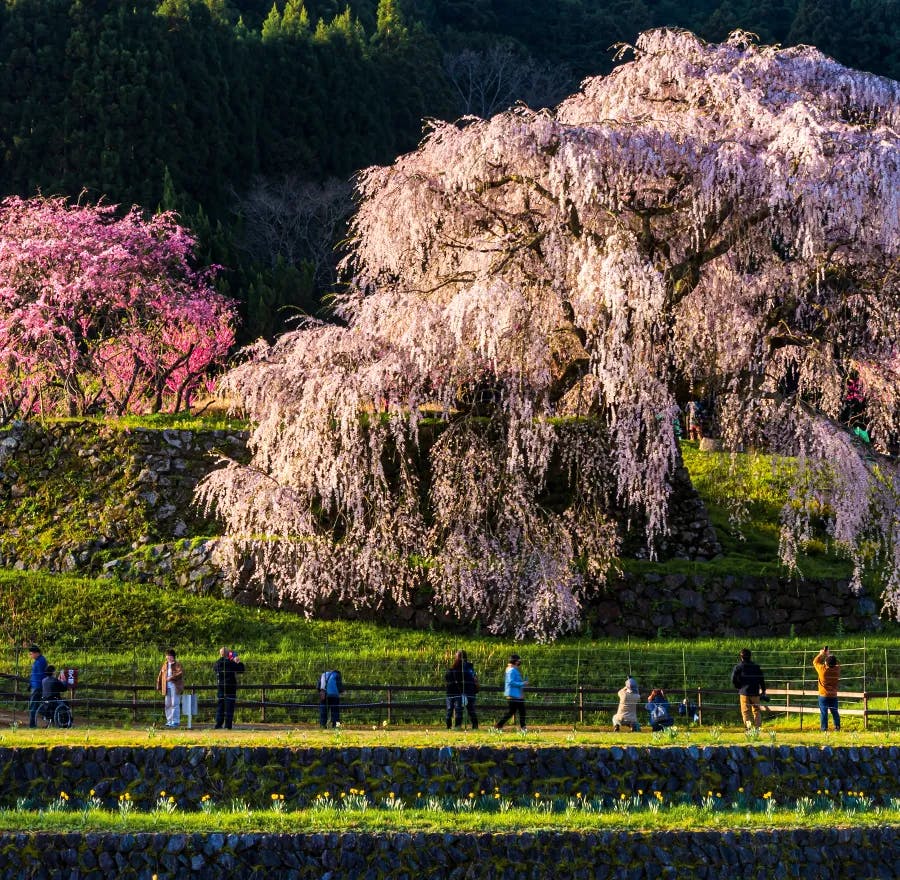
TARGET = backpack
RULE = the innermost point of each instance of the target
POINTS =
(470, 677)
(332, 683)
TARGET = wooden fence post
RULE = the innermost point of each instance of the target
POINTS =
(16, 686)
(389, 701)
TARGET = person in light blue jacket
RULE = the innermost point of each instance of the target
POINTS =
(514, 691)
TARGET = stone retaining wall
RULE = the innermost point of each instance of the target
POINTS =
(651, 604)
(37, 775)
(823, 854)
(91, 499)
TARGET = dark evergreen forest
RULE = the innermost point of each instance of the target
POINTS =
(250, 118)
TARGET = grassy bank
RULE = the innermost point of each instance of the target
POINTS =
(115, 634)
(354, 812)
(309, 736)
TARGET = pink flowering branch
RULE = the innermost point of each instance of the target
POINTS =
(101, 312)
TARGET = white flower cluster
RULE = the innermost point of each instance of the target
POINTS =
(718, 216)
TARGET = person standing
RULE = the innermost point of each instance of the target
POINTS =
(227, 668)
(829, 672)
(470, 689)
(453, 679)
(748, 678)
(170, 682)
(514, 691)
(331, 686)
(629, 700)
(35, 682)
(694, 419)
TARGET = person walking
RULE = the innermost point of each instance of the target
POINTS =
(629, 700)
(750, 682)
(331, 686)
(453, 679)
(470, 689)
(829, 672)
(514, 690)
(227, 669)
(170, 683)
(35, 682)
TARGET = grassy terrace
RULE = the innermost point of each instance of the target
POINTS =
(539, 736)
(114, 633)
(572, 815)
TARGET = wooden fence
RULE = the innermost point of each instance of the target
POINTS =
(582, 705)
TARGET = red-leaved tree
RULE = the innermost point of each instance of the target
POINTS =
(727, 215)
(101, 312)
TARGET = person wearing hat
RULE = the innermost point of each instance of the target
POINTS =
(514, 691)
(38, 672)
(629, 700)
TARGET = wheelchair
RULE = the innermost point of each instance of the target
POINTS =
(56, 713)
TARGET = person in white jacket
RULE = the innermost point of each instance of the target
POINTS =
(629, 700)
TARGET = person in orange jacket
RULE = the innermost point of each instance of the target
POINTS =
(829, 671)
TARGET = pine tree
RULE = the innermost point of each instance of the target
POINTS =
(390, 22)
(272, 26)
(295, 21)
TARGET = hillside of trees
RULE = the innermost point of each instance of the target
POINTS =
(249, 118)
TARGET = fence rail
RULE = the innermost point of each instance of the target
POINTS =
(582, 704)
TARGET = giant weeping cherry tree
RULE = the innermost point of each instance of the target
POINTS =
(720, 214)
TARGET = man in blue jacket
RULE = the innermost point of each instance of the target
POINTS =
(331, 686)
(38, 672)
(514, 691)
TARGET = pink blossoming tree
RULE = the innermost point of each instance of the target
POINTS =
(102, 313)
(718, 214)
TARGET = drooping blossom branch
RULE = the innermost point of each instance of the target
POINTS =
(725, 215)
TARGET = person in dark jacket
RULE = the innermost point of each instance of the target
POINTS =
(52, 690)
(51, 687)
(470, 689)
(453, 678)
(226, 668)
(659, 710)
(38, 672)
(748, 678)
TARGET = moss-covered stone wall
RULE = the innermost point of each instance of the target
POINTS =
(37, 775)
(823, 854)
(110, 501)
(88, 498)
